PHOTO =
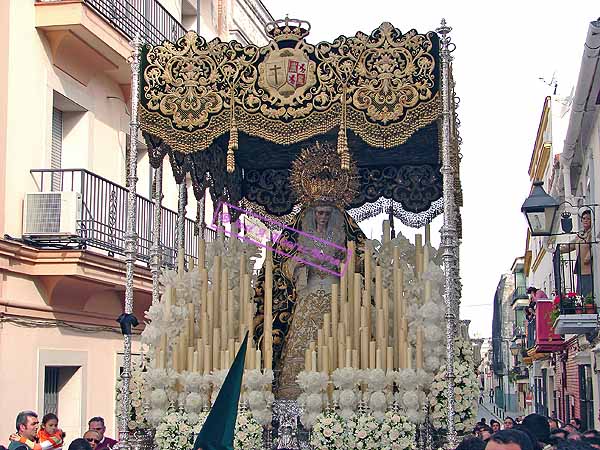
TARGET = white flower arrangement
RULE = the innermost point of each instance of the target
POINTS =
(248, 432)
(397, 432)
(466, 391)
(312, 399)
(138, 393)
(175, 432)
(258, 395)
(364, 432)
(329, 431)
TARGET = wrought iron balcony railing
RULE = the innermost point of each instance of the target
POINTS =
(519, 292)
(531, 331)
(103, 219)
(146, 17)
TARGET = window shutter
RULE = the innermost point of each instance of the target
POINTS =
(56, 151)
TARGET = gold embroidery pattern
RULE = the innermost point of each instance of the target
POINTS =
(308, 319)
(387, 81)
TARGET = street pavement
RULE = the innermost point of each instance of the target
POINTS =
(486, 411)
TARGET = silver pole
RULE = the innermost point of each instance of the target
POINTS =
(130, 238)
(198, 16)
(155, 251)
(182, 203)
(449, 239)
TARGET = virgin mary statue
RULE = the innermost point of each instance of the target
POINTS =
(307, 260)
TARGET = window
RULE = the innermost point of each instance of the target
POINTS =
(56, 148)
(586, 402)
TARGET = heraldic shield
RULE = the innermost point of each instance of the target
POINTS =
(286, 74)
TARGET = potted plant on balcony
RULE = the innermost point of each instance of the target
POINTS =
(573, 301)
(590, 305)
(554, 314)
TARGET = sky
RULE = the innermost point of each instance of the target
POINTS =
(503, 48)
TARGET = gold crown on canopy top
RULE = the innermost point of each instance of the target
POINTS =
(287, 29)
(317, 177)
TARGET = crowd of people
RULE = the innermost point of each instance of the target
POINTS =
(534, 432)
(32, 435)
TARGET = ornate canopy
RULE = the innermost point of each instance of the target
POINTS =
(235, 117)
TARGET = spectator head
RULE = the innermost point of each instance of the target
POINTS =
(50, 423)
(509, 422)
(592, 441)
(575, 436)
(538, 426)
(97, 424)
(495, 425)
(509, 440)
(482, 421)
(559, 433)
(591, 434)
(531, 290)
(553, 423)
(80, 444)
(485, 431)
(576, 423)
(92, 437)
(27, 424)
(569, 444)
(471, 443)
(570, 428)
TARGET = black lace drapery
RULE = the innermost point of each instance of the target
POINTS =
(412, 191)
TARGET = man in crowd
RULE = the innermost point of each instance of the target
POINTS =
(538, 426)
(97, 424)
(92, 437)
(509, 440)
(27, 424)
(576, 423)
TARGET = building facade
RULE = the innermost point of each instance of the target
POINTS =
(65, 94)
(558, 341)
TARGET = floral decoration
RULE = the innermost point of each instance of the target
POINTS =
(138, 390)
(329, 431)
(466, 391)
(397, 432)
(364, 431)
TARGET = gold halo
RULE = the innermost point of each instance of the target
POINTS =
(318, 178)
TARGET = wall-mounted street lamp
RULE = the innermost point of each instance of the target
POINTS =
(515, 349)
(540, 210)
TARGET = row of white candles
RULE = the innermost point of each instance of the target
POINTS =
(346, 339)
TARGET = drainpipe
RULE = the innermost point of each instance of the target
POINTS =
(589, 69)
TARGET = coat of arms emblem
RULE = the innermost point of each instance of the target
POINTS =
(286, 74)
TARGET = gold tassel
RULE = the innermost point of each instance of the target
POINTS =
(342, 143)
(233, 138)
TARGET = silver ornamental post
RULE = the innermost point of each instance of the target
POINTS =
(449, 232)
(181, 204)
(155, 253)
(130, 239)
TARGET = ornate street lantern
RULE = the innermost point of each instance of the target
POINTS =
(540, 210)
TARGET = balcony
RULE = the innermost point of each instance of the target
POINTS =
(519, 293)
(98, 32)
(541, 336)
(575, 310)
(102, 222)
(576, 316)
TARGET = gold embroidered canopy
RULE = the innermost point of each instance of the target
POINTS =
(235, 117)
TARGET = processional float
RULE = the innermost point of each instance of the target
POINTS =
(250, 126)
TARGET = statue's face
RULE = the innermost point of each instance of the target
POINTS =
(322, 215)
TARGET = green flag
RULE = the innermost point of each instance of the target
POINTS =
(219, 427)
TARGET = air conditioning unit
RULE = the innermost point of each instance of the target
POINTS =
(48, 214)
